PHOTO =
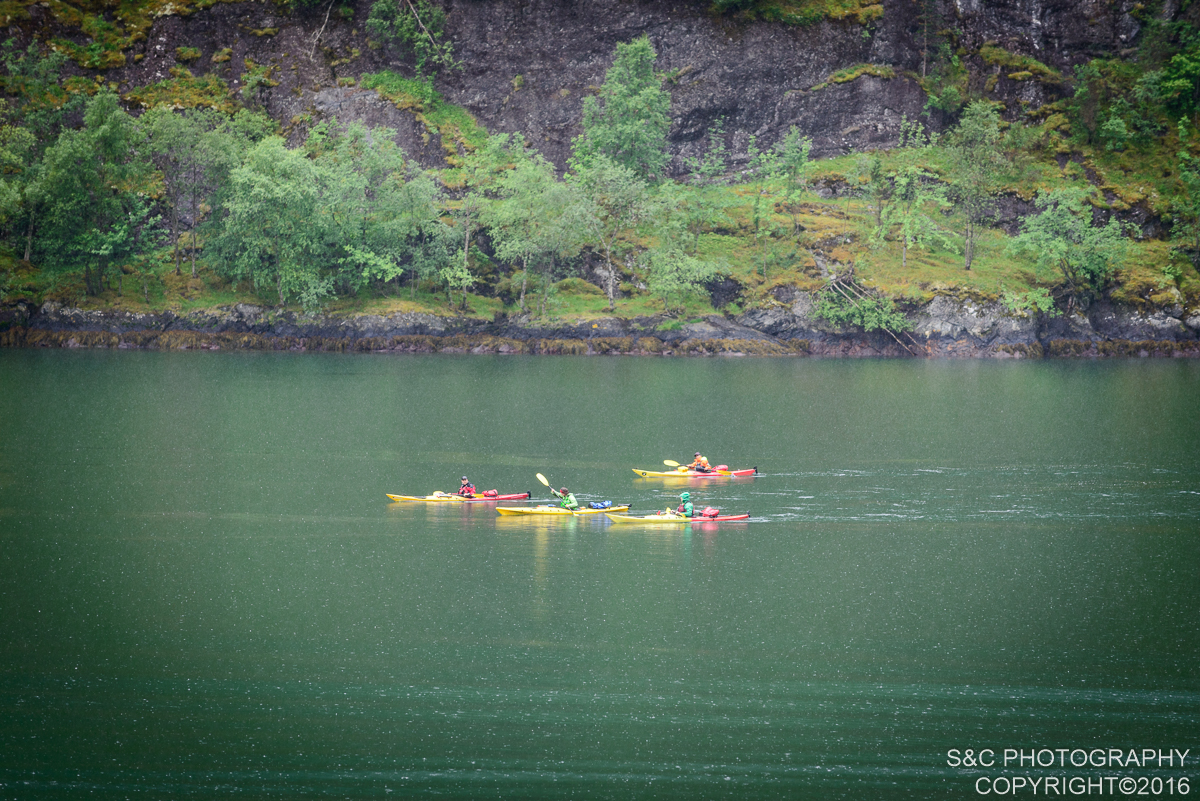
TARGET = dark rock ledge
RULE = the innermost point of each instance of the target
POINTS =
(943, 328)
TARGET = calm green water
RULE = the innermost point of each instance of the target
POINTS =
(204, 592)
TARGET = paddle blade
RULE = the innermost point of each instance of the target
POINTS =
(670, 463)
(542, 479)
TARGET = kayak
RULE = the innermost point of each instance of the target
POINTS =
(693, 474)
(443, 498)
(666, 519)
(555, 510)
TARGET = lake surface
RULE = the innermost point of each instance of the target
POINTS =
(204, 592)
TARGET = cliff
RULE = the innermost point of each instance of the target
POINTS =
(528, 65)
(846, 74)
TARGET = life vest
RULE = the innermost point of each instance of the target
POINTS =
(466, 489)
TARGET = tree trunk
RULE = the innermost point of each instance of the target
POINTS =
(279, 287)
(524, 282)
(969, 245)
(175, 235)
(466, 259)
(29, 237)
(904, 253)
(612, 275)
(193, 251)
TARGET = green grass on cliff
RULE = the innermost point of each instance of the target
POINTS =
(800, 12)
(453, 124)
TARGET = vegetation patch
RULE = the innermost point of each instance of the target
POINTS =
(802, 12)
(854, 73)
(1024, 66)
(1023, 351)
(577, 286)
(454, 124)
(184, 90)
(112, 26)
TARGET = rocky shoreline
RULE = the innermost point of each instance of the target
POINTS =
(946, 327)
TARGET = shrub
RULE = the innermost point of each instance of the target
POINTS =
(577, 286)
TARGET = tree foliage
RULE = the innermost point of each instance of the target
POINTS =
(673, 269)
(914, 216)
(535, 218)
(1185, 230)
(93, 192)
(869, 313)
(274, 234)
(412, 27)
(628, 123)
(976, 165)
(1062, 237)
(618, 202)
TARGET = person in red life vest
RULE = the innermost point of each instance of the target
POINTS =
(466, 489)
(685, 507)
(700, 464)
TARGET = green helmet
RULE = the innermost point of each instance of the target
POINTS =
(685, 496)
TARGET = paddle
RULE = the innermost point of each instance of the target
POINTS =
(542, 479)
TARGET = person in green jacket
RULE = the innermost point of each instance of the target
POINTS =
(685, 507)
(568, 500)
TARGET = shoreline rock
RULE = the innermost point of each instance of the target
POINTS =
(945, 327)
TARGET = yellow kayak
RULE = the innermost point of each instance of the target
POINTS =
(442, 497)
(555, 510)
(651, 519)
(683, 472)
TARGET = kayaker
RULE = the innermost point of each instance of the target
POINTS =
(466, 488)
(685, 506)
(700, 464)
(568, 500)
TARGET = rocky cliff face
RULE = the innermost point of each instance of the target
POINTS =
(528, 64)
